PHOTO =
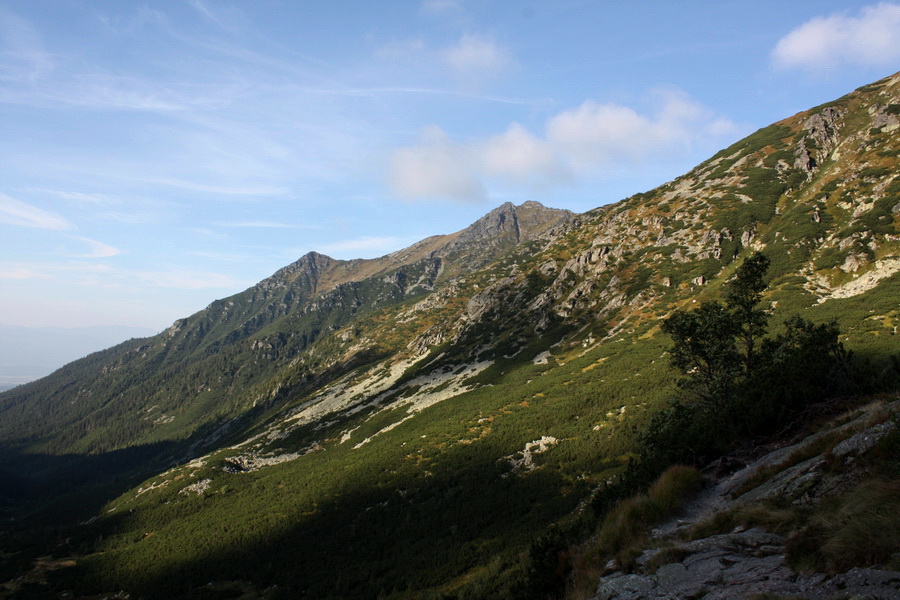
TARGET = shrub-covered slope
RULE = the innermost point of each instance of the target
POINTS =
(217, 364)
(428, 423)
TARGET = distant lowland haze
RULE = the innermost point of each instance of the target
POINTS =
(28, 353)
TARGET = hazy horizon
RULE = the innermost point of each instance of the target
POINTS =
(29, 353)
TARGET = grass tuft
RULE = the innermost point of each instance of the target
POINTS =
(625, 530)
(765, 515)
(674, 486)
(862, 529)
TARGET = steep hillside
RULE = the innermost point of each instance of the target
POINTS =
(427, 423)
(217, 364)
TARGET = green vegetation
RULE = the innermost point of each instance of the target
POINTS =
(768, 136)
(740, 384)
(861, 528)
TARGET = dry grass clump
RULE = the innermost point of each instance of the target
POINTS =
(625, 530)
(675, 486)
(765, 515)
(860, 528)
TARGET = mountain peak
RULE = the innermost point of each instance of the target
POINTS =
(511, 224)
(312, 265)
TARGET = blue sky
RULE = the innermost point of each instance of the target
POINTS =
(157, 155)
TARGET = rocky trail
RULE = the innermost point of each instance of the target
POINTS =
(750, 562)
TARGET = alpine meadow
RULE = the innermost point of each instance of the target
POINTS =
(536, 406)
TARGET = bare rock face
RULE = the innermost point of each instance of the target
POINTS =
(820, 140)
(740, 565)
(886, 120)
(510, 224)
(728, 566)
(852, 263)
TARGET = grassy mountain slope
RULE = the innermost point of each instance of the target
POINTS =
(421, 424)
(216, 365)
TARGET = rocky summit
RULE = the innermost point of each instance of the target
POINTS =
(464, 417)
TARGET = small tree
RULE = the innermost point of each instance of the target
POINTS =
(804, 364)
(751, 383)
(716, 344)
(742, 296)
(705, 350)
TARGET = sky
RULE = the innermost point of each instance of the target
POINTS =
(156, 155)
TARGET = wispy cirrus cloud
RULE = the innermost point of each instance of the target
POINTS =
(93, 274)
(23, 57)
(237, 190)
(96, 249)
(872, 38)
(82, 198)
(19, 272)
(367, 246)
(476, 60)
(190, 280)
(16, 212)
(73, 271)
(265, 225)
(442, 7)
(473, 61)
(227, 18)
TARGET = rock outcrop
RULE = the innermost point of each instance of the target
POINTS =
(820, 140)
(747, 562)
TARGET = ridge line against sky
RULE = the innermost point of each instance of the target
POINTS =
(159, 155)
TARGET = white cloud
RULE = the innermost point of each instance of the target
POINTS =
(475, 60)
(96, 249)
(15, 212)
(590, 138)
(436, 169)
(870, 39)
(600, 135)
(519, 156)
